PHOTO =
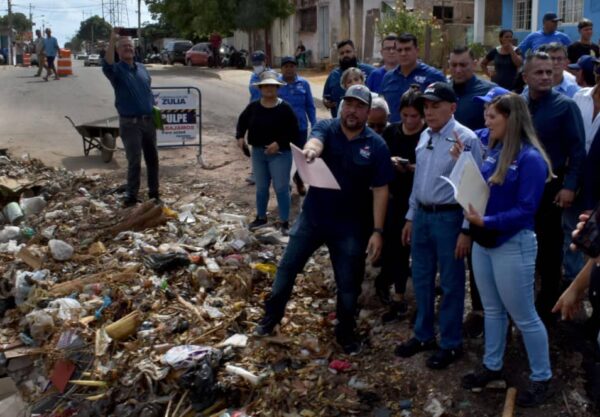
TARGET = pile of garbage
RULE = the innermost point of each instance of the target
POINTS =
(148, 311)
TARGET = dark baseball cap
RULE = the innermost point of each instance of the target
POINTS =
(585, 62)
(288, 60)
(492, 94)
(439, 91)
(258, 57)
(551, 16)
(359, 92)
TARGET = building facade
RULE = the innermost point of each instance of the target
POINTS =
(525, 16)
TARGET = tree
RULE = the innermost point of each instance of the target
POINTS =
(19, 21)
(199, 18)
(94, 28)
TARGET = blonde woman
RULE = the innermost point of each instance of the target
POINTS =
(352, 76)
(516, 169)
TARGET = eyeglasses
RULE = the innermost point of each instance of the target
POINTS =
(389, 49)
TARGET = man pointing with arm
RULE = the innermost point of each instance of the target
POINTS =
(349, 221)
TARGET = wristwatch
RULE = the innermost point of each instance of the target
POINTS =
(378, 230)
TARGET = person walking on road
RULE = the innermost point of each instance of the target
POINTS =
(39, 51)
(516, 169)
(271, 125)
(134, 102)
(50, 49)
(349, 220)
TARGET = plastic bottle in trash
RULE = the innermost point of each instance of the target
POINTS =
(13, 213)
(27, 232)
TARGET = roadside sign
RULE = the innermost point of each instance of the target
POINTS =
(180, 113)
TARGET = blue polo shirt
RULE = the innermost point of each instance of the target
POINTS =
(133, 94)
(50, 46)
(469, 112)
(395, 84)
(484, 137)
(376, 79)
(358, 165)
(333, 90)
(299, 95)
(559, 127)
(536, 39)
(513, 204)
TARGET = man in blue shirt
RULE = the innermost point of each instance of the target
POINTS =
(467, 86)
(134, 102)
(389, 54)
(333, 90)
(50, 49)
(409, 71)
(349, 220)
(547, 35)
(258, 59)
(297, 93)
(559, 127)
(437, 232)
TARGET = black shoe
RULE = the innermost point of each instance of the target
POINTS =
(284, 228)
(473, 325)
(351, 345)
(257, 223)
(478, 380)
(534, 395)
(444, 357)
(129, 202)
(263, 330)
(398, 311)
(414, 346)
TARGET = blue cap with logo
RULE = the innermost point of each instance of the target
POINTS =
(585, 62)
(492, 94)
(258, 57)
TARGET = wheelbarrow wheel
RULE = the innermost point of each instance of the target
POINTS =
(108, 145)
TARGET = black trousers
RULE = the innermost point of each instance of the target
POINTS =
(548, 228)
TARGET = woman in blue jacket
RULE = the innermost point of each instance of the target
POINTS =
(516, 169)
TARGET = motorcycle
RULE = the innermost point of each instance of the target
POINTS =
(231, 57)
(153, 58)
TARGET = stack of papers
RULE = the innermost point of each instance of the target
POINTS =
(468, 184)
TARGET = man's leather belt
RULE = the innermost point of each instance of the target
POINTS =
(434, 208)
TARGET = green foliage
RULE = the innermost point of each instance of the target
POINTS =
(19, 21)
(199, 18)
(74, 44)
(478, 49)
(93, 29)
(401, 20)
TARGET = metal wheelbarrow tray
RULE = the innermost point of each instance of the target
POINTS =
(100, 134)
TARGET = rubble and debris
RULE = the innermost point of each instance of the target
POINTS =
(148, 312)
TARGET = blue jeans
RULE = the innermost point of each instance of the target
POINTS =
(274, 168)
(573, 261)
(505, 278)
(434, 237)
(347, 253)
(139, 137)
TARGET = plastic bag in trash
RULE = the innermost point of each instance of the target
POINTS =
(200, 381)
(68, 308)
(166, 262)
(186, 356)
(41, 325)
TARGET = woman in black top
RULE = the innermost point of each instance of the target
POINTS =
(506, 61)
(271, 125)
(402, 139)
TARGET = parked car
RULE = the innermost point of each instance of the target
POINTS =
(92, 59)
(81, 57)
(175, 52)
(199, 54)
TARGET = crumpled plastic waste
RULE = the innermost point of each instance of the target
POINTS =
(186, 356)
(166, 262)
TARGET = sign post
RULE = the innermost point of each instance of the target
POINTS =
(181, 110)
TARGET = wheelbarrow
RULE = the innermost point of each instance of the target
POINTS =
(100, 134)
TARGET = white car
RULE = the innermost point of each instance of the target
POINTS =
(92, 59)
(82, 56)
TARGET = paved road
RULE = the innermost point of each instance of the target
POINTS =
(32, 111)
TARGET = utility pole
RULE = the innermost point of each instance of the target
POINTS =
(31, 16)
(10, 34)
(139, 31)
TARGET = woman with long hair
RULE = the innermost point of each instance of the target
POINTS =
(516, 169)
